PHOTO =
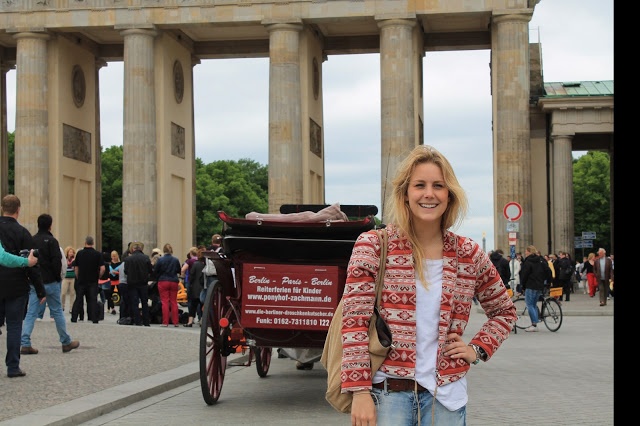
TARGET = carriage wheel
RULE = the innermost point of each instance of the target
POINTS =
(212, 337)
(263, 360)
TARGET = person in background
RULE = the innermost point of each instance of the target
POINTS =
(104, 284)
(89, 266)
(592, 281)
(216, 240)
(15, 283)
(515, 266)
(9, 260)
(126, 314)
(137, 267)
(167, 269)
(69, 278)
(603, 270)
(564, 271)
(114, 276)
(51, 269)
(192, 256)
(196, 284)
(581, 277)
(431, 277)
(532, 278)
(501, 264)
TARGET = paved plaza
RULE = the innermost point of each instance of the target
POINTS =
(127, 375)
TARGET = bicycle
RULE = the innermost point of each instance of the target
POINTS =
(549, 310)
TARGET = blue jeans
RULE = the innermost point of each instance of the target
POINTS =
(41, 309)
(53, 291)
(531, 300)
(401, 409)
(14, 314)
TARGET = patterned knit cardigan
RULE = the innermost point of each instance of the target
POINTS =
(467, 271)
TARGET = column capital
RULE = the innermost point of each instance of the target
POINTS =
(151, 32)
(283, 26)
(31, 34)
(387, 22)
(510, 15)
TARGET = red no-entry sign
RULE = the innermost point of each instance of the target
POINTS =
(512, 211)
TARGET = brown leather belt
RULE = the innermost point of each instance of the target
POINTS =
(399, 385)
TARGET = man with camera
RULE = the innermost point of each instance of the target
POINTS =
(16, 282)
(50, 263)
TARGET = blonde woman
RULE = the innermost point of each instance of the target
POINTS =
(69, 278)
(432, 275)
(592, 281)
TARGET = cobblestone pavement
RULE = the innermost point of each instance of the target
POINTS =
(118, 367)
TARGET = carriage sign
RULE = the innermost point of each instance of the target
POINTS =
(300, 297)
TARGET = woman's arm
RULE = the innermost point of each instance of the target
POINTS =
(9, 260)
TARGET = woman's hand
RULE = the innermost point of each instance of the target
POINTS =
(363, 410)
(456, 348)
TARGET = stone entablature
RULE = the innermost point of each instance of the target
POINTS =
(579, 115)
(347, 26)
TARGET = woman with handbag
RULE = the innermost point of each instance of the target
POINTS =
(431, 277)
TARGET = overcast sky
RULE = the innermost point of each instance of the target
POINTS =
(232, 104)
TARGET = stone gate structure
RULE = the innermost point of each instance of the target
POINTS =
(57, 48)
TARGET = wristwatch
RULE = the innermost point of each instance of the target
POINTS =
(480, 354)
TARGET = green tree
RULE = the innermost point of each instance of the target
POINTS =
(111, 178)
(236, 188)
(12, 161)
(592, 199)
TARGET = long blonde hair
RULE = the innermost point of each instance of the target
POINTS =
(399, 211)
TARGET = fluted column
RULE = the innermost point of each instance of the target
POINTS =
(562, 208)
(4, 139)
(32, 127)
(98, 154)
(396, 97)
(512, 152)
(285, 127)
(139, 186)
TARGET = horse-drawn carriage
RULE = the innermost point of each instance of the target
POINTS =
(279, 282)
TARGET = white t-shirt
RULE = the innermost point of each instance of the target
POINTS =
(453, 395)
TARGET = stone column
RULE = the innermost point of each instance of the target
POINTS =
(562, 208)
(396, 97)
(98, 154)
(139, 183)
(32, 128)
(4, 138)
(285, 127)
(511, 150)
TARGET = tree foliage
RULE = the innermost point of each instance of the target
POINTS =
(111, 178)
(234, 187)
(592, 199)
(12, 162)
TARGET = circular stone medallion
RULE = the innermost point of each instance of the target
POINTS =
(178, 81)
(78, 86)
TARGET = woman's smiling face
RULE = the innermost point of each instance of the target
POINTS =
(427, 194)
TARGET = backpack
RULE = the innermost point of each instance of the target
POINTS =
(209, 268)
(565, 271)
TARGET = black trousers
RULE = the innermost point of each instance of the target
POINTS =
(139, 294)
(125, 303)
(90, 292)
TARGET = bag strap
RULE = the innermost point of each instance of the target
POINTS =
(383, 236)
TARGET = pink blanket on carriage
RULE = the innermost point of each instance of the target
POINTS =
(331, 213)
